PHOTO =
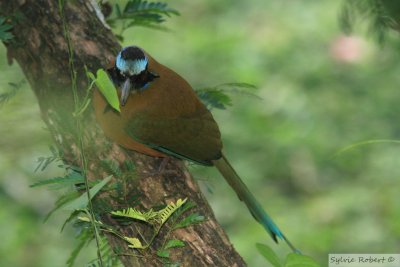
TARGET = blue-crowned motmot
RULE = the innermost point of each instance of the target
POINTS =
(162, 116)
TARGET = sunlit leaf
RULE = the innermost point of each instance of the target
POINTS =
(135, 214)
(108, 89)
(84, 219)
(163, 253)
(174, 243)
(134, 242)
(165, 213)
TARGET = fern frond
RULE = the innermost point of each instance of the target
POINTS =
(141, 13)
(148, 8)
(44, 162)
(59, 182)
(193, 218)
(112, 167)
(151, 216)
(138, 215)
(218, 96)
(129, 166)
(166, 212)
(187, 206)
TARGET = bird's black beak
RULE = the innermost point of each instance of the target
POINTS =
(125, 91)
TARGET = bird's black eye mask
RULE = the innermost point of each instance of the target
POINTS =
(130, 72)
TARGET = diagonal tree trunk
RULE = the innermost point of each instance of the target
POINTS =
(41, 50)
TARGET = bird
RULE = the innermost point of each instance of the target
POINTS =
(161, 116)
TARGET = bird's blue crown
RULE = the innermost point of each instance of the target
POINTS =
(130, 66)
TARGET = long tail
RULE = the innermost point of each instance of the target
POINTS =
(251, 202)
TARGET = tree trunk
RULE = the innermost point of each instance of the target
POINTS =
(41, 50)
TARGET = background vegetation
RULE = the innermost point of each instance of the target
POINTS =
(320, 92)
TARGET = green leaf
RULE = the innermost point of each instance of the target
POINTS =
(163, 253)
(298, 260)
(174, 243)
(112, 167)
(187, 206)
(218, 96)
(5, 35)
(189, 220)
(107, 88)
(134, 242)
(82, 201)
(135, 214)
(268, 254)
(84, 219)
(214, 98)
(165, 213)
(70, 179)
(140, 13)
(118, 10)
(130, 166)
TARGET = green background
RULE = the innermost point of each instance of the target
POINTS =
(284, 145)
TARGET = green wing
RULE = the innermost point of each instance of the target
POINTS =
(194, 137)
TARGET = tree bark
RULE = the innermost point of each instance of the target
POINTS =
(40, 48)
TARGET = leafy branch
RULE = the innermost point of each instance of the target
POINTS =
(140, 13)
(218, 96)
(375, 12)
(5, 27)
(156, 219)
(12, 91)
(77, 203)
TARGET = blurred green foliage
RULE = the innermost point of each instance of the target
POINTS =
(5, 28)
(320, 90)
